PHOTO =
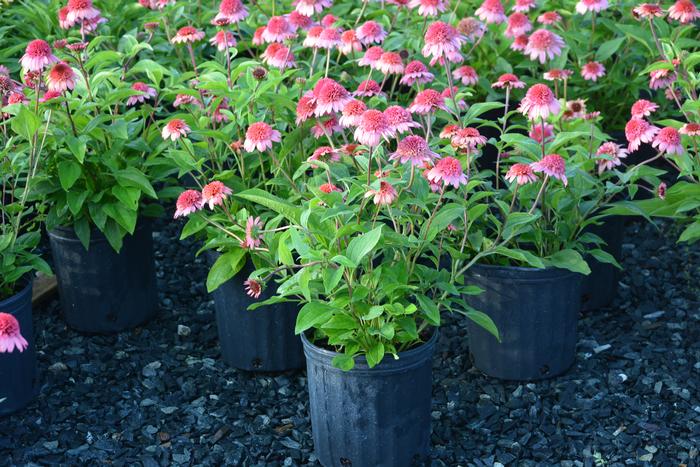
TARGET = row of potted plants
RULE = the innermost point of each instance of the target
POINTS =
(352, 172)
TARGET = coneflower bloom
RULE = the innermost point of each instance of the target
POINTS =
(428, 7)
(330, 96)
(415, 149)
(661, 78)
(231, 11)
(260, 136)
(329, 188)
(278, 56)
(299, 21)
(329, 39)
(371, 56)
(449, 131)
(491, 11)
(556, 74)
(253, 288)
(661, 190)
(188, 202)
(643, 108)
(214, 193)
(61, 77)
(448, 170)
(146, 92)
(17, 98)
(508, 80)
(638, 131)
(523, 6)
(37, 56)
(81, 10)
(690, 129)
(539, 102)
(521, 174)
(591, 71)
(324, 154)
(543, 45)
(10, 335)
(668, 141)
(467, 138)
(187, 35)
(186, 99)
(223, 40)
(611, 155)
(349, 42)
(385, 195)
(277, 29)
(450, 93)
(471, 28)
(467, 75)
(518, 24)
(442, 41)
(372, 128)
(519, 44)
(427, 101)
(371, 32)
(368, 88)
(575, 108)
(549, 17)
(327, 127)
(175, 129)
(416, 72)
(648, 11)
(684, 11)
(253, 234)
(352, 113)
(312, 37)
(390, 63)
(552, 165)
(311, 7)
(63, 22)
(257, 36)
(49, 96)
(537, 132)
(594, 6)
(399, 119)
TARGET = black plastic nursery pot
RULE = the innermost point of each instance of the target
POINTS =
(18, 373)
(599, 288)
(256, 340)
(102, 291)
(535, 311)
(371, 417)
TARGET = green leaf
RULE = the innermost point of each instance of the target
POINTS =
(77, 147)
(75, 200)
(691, 233)
(68, 173)
(608, 48)
(82, 231)
(569, 259)
(331, 278)
(313, 314)
(374, 312)
(225, 267)
(430, 309)
(363, 245)
(604, 257)
(271, 201)
(518, 222)
(25, 123)
(483, 320)
(445, 217)
(375, 354)
(344, 362)
(133, 177)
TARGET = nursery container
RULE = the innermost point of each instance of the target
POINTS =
(371, 417)
(103, 291)
(599, 288)
(18, 376)
(535, 311)
(256, 340)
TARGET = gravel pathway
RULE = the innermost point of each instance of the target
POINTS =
(159, 395)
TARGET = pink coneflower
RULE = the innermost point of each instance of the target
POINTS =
(661, 78)
(188, 202)
(591, 71)
(352, 113)
(428, 7)
(471, 28)
(278, 56)
(518, 24)
(17, 98)
(467, 74)
(508, 80)
(10, 335)
(519, 44)
(37, 56)
(467, 138)
(450, 93)
(324, 154)
(690, 129)
(416, 72)
(311, 7)
(146, 92)
(684, 11)
(63, 22)
(661, 190)
(231, 11)
(427, 101)
(187, 35)
(539, 102)
(556, 74)
(371, 56)
(49, 96)
(253, 234)
(523, 6)
(214, 193)
(81, 10)
(175, 129)
(643, 108)
(253, 288)
(371, 32)
(277, 29)
(260, 136)
(536, 132)
(327, 127)
(299, 21)
(368, 88)
(399, 119)
(385, 195)
(329, 39)
(448, 170)
(186, 99)
(449, 131)
(552, 165)
(372, 128)
(668, 141)
(390, 63)
(543, 45)
(521, 173)
(442, 41)
(312, 37)
(594, 6)
(329, 188)
(223, 40)
(611, 155)
(648, 11)
(639, 131)
(491, 11)
(575, 108)
(61, 78)
(349, 42)
(415, 149)
(77, 46)
(549, 18)
(330, 96)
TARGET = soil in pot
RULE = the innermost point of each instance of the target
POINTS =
(535, 311)
(371, 417)
(18, 372)
(103, 291)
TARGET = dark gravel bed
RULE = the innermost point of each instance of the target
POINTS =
(160, 395)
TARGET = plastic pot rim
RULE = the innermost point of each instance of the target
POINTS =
(7, 303)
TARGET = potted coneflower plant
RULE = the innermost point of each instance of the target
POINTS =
(97, 172)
